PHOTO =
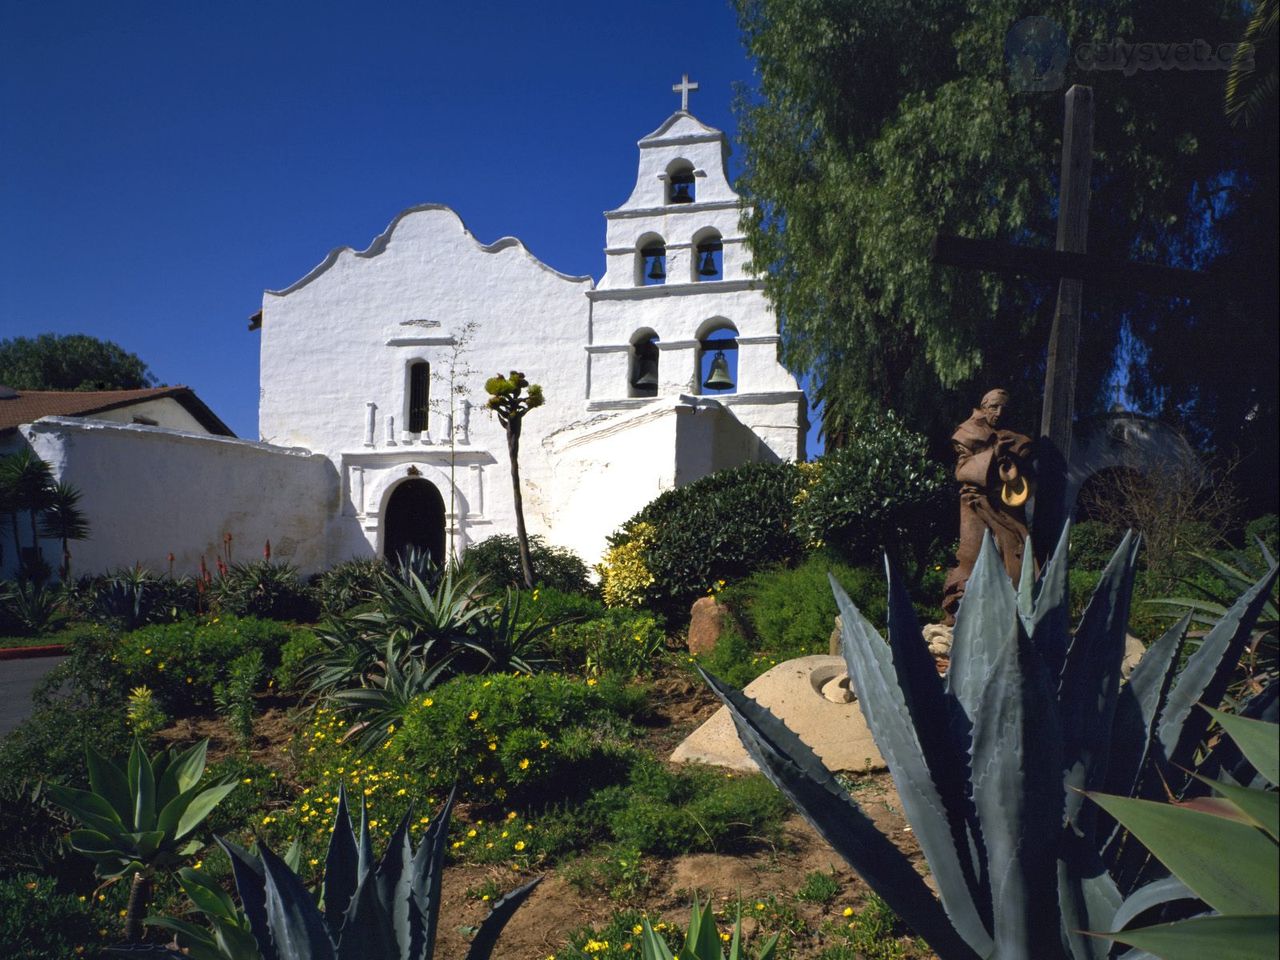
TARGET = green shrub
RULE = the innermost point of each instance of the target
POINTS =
(145, 715)
(622, 642)
(547, 604)
(182, 661)
(520, 739)
(882, 491)
(347, 585)
(498, 559)
(721, 527)
(786, 613)
(264, 589)
(131, 597)
(1092, 544)
(1265, 528)
(234, 696)
(39, 922)
(819, 887)
(302, 643)
(694, 810)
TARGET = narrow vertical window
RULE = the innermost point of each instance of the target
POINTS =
(419, 395)
(653, 264)
(708, 258)
(680, 182)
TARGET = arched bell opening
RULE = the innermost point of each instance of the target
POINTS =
(681, 187)
(651, 261)
(708, 256)
(718, 359)
(414, 519)
(642, 367)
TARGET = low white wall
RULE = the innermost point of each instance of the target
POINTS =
(148, 491)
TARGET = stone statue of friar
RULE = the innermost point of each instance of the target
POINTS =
(995, 473)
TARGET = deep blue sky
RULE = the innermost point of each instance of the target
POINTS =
(162, 162)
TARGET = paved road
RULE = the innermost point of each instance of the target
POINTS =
(17, 679)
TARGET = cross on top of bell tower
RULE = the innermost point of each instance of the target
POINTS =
(684, 88)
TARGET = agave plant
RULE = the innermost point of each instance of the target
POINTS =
(1191, 838)
(135, 821)
(701, 941)
(990, 762)
(388, 910)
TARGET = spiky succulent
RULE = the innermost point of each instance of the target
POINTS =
(384, 910)
(991, 761)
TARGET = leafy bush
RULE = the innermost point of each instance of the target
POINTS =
(348, 584)
(181, 662)
(63, 925)
(28, 607)
(1265, 528)
(131, 597)
(550, 605)
(625, 578)
(234, 696)
(519, 738)
(264, 589)
(698, 809)
(498, 559)
(145, 715)
(294, 654)
(1092, 544)
(883, 491)
(721, 527)
(621, 641)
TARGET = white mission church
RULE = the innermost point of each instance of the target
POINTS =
(373, 429)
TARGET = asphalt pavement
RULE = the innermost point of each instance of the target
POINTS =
(17, 679)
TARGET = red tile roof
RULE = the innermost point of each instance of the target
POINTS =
(28, 405)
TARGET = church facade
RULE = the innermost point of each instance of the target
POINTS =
(373, 365)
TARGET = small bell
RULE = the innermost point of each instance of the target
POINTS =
(646, 381)
(718, 378)
(680, 193)
(707, 268)
(656, 272)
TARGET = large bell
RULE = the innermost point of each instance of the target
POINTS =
(718, 378)
(646, 381)
(708, 268)
(656, 272)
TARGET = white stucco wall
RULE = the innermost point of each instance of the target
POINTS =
(147, 491)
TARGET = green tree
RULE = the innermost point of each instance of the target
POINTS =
(73, 361)
(63, 520)
(26, 484)
(878, 123)
(508, 402)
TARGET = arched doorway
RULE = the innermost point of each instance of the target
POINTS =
(414, 518)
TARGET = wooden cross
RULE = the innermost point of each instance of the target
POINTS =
(684, 88)
(1071, 265)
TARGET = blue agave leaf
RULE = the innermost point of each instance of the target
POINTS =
(250, 884)
(787, 762)
(1089, 681)
(341, 873)
(1154, 894)
(491, 927)
(1050, 620)
(1204, 678)
(1016, 759)
(365, 860)
(944, 745)
(428, 869)
(394, 883)
(297, 928)
(1138, 704)
(367, 927)
(1087, 897)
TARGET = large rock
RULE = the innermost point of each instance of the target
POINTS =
(706, 622)
(837, 732)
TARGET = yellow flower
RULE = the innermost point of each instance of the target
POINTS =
(427, 702)
(524, 763)
(471, 833)
(592, 682)
(759, 906)
(511, 815)
(473, 715)
(519, 845)
(492, 745)
(847, 912)
(637, 929)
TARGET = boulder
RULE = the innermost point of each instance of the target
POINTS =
(834, 728)
(706, 623)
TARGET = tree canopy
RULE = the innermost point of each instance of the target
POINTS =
(878, 123)
(73, 361)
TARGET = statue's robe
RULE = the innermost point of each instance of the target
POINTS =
(977, 469)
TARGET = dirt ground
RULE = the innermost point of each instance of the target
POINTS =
(542, 926)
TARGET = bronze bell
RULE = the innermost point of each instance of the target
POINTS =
(707, 268)
(718, 378)
(647, 380)
(680, 193)
(656, 272)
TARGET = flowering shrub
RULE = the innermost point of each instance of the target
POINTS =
(182, 661)
(624, 576)
(622, 642)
